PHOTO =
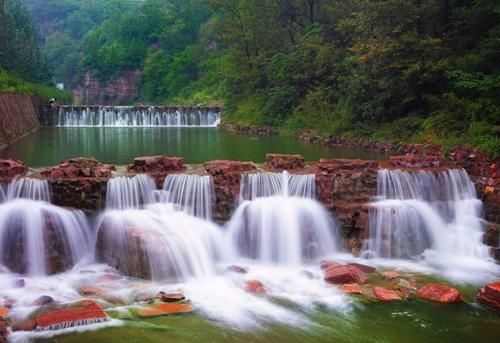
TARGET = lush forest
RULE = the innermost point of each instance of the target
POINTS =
(417, 70)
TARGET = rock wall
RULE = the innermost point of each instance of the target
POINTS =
(18, 117)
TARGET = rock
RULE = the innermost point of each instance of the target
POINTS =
(157, 166)
(384, 294)
(440, 293)
(351, 288)
(389, 275)
(281, 162)
(19, 283)
(7, 302)
(164, 309)
(170, 297)
(237, 269)
(363, 267)
(79, 167)
(490, 296)
(416, 161)
(4, 312)
(328, 264)
(91, 291)
(24, 325)
(12, 168)
(307, 274)
(69, 317)
(344, 274)
(44, 300)
(405, 285)
(255, 287)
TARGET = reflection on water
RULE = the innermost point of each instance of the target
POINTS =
(49, 145)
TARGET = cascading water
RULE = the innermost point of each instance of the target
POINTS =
(37, 238)
(281, 225)
(26, 188)
(270, 184)
(119, 116)
(192, 193)
(130, 192)
(425, 211)
(159, 243)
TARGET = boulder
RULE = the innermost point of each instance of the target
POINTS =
(325, 264)
(170, 297)
(351, 288)
(43, 300)
(4, 312)
(440, 293)
(237, 269)
(389, 275)
(79, 167)
(12, 168)
(255, 287)
(363, 267)
(91, 291)
(279, 162)
(164, 309)
(344, 274)
(490, 296)
(416, 161)
(89, 312)
(385, 294)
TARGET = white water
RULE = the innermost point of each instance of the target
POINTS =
(24, 226)
(426, 212)
(123, 116)
(25, 188)
(269, 184)
(192, 193)
(130, 192)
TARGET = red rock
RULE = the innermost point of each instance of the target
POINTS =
(328, 264)
(237, 269)
(363, 267)
(4, 312)
(490, 296)
(157, 164)
(384, 294)
(24, 325)
(389, 275)
(80, 167)
(91, 291)
(351, 288)
(70, 317)
(11, 168)
(170, 297)
(415, 161)
(164, 309)
(254, 286)
(440, 293)
(43, 300)
(344, 274)
(284, 162)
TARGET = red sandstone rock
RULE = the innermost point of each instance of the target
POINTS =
(157, 164)
(12, 168)
(70, 317)
(490, 296)
(389, 275)
(344, 274)
(415, 161)
(328, 264)
(440, 293)
(164, 309)
(363, 267)
(351, 288)
(284, 162)
(91, 291)
(170, 297)
(4, 312)
(384, 294)
(255, 287)
(80, 167)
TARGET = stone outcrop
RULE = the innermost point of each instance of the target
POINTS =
(157, 166)
(12, 168)
(280, 162)
(18, 117)
(226, 176)
(490, 296)
(385, 294)
(415, 161)
(344, 274)
(439, 293)
(79, 183)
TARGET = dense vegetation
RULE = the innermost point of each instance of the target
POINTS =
(23, 67)
(417, 70)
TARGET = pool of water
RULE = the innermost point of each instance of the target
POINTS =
(51, 145)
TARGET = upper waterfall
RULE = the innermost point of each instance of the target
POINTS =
(124, 116)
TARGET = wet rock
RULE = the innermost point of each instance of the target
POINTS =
(237, 269)
(164, 309)
(281, 162)
(7, 302)
(170, 297)
(4, 331)
(416, 161)
(440, 293)
(307, 274)
(91, 291)
(44, 300)
(69, 317)
(328, 264)
(389, 275)
(4, 312)
(363, 267)
(255, 287)
(385, 294)
(405, 285)
(19, 283)
(344, 274)
(490, 296)
(351, 288)
(157, 166)
(12, 168)
(79, 167)
(28, 324)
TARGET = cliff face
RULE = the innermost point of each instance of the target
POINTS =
(117, 91)
(18, 117)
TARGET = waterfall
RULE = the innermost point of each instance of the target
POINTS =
(419, 211)
(159, 243)
(130, 192)
(37, 238)
(280, 222)
(123, 116)
(25, 188)
(270, 184)
(192, 193)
